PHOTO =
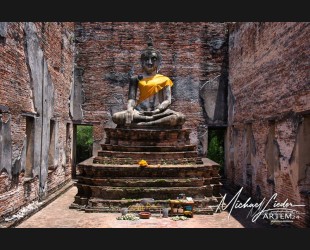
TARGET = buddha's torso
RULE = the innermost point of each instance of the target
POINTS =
(152, 102)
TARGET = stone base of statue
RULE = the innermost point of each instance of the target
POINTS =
(114, 179)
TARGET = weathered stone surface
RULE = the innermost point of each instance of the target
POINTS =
(107, 188)
(43, 96)
(3, 32)
(152, 159)
(193, 54)
(95, 170)
(77, 95)
(148, 148)
(143, 182)
(268, 98)
(5, 145)
(155, 145)
(202, 206)
(35, 79)
(266, 76)
(148, 155)
(269, 105)
(157, 193)
(147, 137)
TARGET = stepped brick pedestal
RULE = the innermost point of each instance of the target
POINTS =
(113, 179)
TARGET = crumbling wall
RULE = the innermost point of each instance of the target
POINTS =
(36, 76)
(194, 57)
(269, 90)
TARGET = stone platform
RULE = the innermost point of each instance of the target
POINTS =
(113, 179)
(156, 146)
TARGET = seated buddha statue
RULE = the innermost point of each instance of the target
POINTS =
(149, 96)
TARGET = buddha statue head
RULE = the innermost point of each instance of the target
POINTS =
(150, 59)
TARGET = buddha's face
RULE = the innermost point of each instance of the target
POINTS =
(150, 62)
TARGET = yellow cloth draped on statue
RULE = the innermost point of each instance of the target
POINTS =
(151, 85)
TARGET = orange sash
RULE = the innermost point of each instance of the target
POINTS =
(151, 85)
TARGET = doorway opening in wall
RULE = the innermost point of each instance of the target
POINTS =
(84, 142)
(82, 145)
(216, 146)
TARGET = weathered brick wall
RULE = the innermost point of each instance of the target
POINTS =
(25, 50)
(194, 57)
(267, 141)
(269, 94)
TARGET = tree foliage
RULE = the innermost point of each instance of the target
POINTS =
(84, 142)
(216, 147)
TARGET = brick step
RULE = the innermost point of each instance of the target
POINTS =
(99, 185)
(147, 137)
(151, 161)
(148, 155)
(117, 193)
(109, 147)
(143, 182)
(162, 143)
(217, 188)
(202, 206)
(89, 169)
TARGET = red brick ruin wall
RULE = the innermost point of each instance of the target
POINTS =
(268, 139)
(25, 51)
(53, 73)
(107, 53)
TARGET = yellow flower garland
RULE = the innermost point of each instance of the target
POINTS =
(143, 163)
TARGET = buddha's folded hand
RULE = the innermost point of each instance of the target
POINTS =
(129, 116)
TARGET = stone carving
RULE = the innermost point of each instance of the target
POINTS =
(149, 96)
